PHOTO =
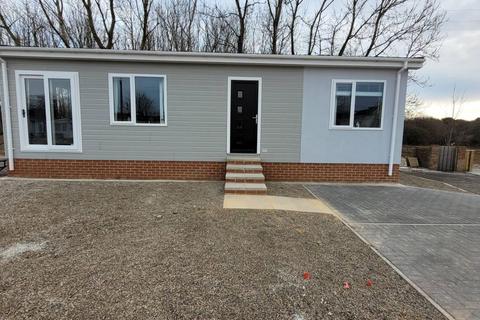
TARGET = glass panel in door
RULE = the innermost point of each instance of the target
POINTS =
(61, 111)
(35, 111)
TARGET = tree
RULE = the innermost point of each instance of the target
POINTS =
(349, 27)
(294, 5)
(314, 26)
(456, 109)
(107, 27)
(273, 25)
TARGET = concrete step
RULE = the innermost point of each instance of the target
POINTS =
(244, 177)
(245, 188)
(250, 168)
(243, 158)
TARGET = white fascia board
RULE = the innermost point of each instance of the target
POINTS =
(209, 58)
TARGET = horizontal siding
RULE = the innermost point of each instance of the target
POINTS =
(197, 112)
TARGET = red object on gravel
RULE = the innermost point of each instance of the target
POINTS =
(346, 285)
(306, 276)
(369, 283)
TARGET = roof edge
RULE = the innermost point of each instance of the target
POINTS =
(209, 58)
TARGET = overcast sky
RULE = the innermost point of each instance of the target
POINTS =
(459, 63)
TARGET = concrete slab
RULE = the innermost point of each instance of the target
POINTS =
(275, 203)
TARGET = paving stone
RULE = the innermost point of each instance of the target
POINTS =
(432, 236)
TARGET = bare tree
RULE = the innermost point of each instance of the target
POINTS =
(242, 14)
(55, 15)
(294, 6)
(108, 24)
(314, 25)
(275, 14)
(176, 20)
(359, 27)
(7, 23)
(413, 106)
(456, 109)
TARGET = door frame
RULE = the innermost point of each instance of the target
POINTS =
(259, 111)
(25, 146)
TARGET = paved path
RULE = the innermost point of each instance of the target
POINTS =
(466, 181)
(432, 236)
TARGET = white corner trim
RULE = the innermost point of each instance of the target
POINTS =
(133, 109)
(8, 117)
(229, 102)
(333, 106)
(25, 146)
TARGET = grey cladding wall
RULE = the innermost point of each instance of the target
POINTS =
(320, 144)
(197, 112)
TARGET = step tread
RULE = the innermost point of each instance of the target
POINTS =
(231, 166)
(245, 175)
(246, 158)
(245, 186)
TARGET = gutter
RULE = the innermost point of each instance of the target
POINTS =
(395, 117)
(8, 119)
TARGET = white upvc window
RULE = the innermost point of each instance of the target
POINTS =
(357, 104)
(48, 105)
(138, 99)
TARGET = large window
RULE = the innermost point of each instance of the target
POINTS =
(49, 111)
(138, 99)
(357, 104)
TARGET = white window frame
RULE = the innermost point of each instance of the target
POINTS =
(333, 105)
(25, 146)
(133, 109)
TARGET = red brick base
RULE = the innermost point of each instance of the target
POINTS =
(197, 170)
(334, 172)
(119, 169)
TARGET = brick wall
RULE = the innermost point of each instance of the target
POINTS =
(335, 172)
(197, 170)
(119, 169)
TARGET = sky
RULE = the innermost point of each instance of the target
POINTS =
(458, 65)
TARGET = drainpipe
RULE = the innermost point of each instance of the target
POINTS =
(8, 119)
(395, 117)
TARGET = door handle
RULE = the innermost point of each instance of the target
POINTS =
(256, 118)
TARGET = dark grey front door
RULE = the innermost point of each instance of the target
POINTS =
(244, 116)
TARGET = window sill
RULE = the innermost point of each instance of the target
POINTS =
(355, 129)
(51, 150)
(130, 124)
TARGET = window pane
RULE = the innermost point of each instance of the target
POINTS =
(149, 100)
(35, 113)
(61, 111)
(368, 104)
(343, 100)
(121, 99)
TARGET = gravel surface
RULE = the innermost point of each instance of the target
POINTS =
(130, 250)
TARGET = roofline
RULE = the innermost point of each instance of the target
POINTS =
(210, 58)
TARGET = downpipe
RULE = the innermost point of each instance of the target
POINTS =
(8, 119)
(393, 136)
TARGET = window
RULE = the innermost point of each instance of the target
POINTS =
(138, 99)
(357, 104)
(49, 111)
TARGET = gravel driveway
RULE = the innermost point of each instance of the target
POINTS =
(150, 250)
(432, 236)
